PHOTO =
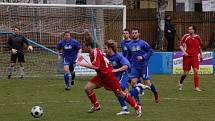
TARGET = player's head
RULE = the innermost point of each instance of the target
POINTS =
(126, 34)
(67, 35)
(192, 29)
(135, 33)
(17, 30)
(168, 17)
(110, 47)
(89, 45)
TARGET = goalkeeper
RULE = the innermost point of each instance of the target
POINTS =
(16, 44)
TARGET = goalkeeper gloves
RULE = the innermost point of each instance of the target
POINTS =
(14, 51)
(30, 48)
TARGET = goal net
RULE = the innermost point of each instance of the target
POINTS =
(44, 24)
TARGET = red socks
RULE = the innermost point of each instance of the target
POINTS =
(131, 101)
(196, 81)
(92, 97)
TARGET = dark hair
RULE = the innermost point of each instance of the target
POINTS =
(167, 16)
(16, 27)
(126, 30)
(111, 44)
(135, 28)
(89, 43)
(194, 28)
(66, 32)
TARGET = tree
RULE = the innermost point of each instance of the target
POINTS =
(161, 23)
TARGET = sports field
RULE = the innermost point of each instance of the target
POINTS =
(17, 97)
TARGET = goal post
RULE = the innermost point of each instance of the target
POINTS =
(45, 23)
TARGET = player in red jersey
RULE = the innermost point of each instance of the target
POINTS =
(191, 46)
(104, 78)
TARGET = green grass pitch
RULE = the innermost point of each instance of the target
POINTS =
(17, 97)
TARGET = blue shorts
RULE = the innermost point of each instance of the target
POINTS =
(140, 73)
(67, 62)
(123, 80)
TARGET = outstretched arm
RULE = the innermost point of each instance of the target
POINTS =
(90, 66)
(123, 68)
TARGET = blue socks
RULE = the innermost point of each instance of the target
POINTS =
(122, 103)
(135, 93)
(66, 79)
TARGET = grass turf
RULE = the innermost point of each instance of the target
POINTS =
(17, 97)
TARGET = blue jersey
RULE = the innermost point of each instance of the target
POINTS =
(139, 48)
(70, 49)
(117, 61)
(124, 46)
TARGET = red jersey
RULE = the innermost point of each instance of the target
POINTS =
(99, 60)
(191, 44)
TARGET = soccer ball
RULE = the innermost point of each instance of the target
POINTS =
(36, 111)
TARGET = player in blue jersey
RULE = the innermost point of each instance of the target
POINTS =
(120, 65)
(70, 48)
(124, 46)
(139, 54)
(124, 43)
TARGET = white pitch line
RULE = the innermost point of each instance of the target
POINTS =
(189, 99)
(76, 101)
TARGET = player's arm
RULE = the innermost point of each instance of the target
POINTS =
(78, 47)
(90, 66)
(123, 68)
(95, 63)
(10, 45)
(182, 42)
(148, 54)
(59, 48)
(200, 48)
(125, 64)
(183, 50)
(200, 52)
(29, 47)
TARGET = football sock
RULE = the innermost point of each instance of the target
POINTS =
(73, 75)
(122, 103)
(153, 89)
(10, 70)
(92, 97)
(131, 101)
(21, 71)
(196, 81)
(182, 79)
(134, 93)
(66, 79)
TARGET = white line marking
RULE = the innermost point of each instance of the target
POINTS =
(76, 101)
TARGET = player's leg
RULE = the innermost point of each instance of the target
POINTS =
(135, 90)
(21, 60)
(10, 70)
(182, 78)
(131, 101)
(116, 88)
(89, 90)
(11, 65)
(66, 76)
(186, 69)
(123, 80)
(195, 65)
(146, 78)
(71, 68)
(21, 70)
